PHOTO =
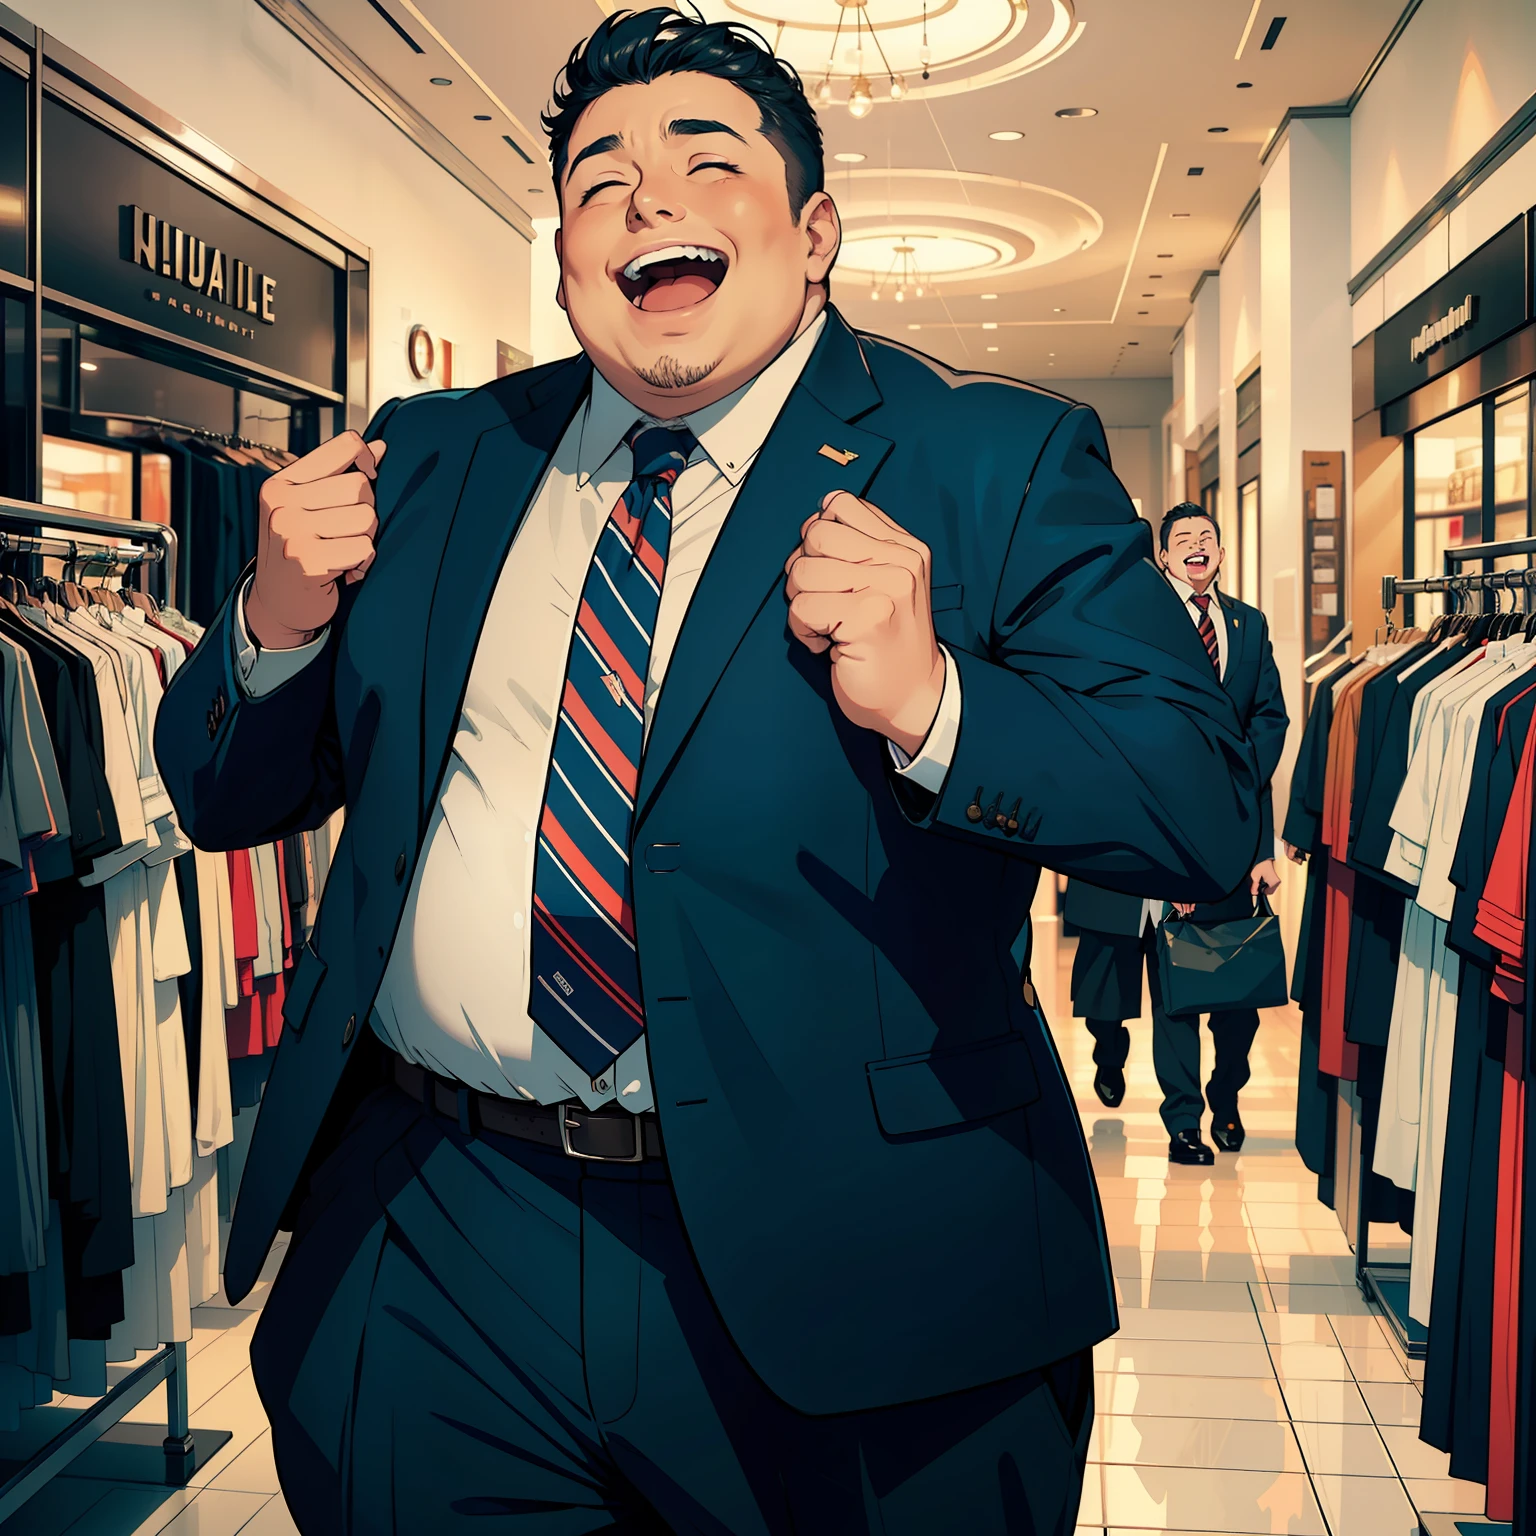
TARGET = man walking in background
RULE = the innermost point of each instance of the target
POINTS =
(1117, 931)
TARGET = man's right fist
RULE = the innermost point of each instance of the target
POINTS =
(317, 525)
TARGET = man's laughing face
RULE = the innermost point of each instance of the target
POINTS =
(683, 268)
(1194, 552)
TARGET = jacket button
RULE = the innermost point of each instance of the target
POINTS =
(974, 812)
(349, 1029)
(213, 726)
(399, 869)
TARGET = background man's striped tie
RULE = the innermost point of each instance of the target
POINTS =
(586, 981)
(1202, 601)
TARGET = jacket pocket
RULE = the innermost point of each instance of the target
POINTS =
(941, 598)
(940, 1088)
(301, 994)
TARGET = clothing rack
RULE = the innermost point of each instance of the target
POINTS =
(183, 1450)
(159, 542)
(1459, 585)
(1331, 649)
(225, 439)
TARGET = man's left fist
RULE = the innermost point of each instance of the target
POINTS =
(858, 586)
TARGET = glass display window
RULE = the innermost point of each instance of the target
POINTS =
(1447, 495)
(1248, 542)
(1512, 470)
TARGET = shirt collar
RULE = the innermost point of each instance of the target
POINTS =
(1183, 588)
(731, 432)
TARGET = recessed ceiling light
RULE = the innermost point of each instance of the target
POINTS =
(989, 295)
(989, 325)
(1006, 135)
(1273, 35)
(1215, 130)
(482, 117)
(1196, 170)
(89, 367)
(1058, 311)
(535, 189)
(1165, 255)
(440, 80)
(1245, 85)
(1050, 354)
(848, 156)
(1154, 277)
(1178, 215)
(1133, 343)
(991, 349)
(914, 327)
(1077, 112)
(1149, 295)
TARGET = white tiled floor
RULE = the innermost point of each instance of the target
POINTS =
(1249, 1391)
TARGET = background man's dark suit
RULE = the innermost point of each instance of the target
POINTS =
(1107, 970)
(879, 1169)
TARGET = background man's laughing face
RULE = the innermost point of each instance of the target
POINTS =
(683, 268)
(1194, 552)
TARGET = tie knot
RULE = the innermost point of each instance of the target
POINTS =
(661, 453)
(1201, 600)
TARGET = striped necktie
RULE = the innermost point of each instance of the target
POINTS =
(1202, 601)
(585, 993)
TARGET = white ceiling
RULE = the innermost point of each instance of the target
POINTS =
(1160, 72)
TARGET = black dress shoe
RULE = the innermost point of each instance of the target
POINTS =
(1228, 1133)
(1109, 1084)
(1186, 1147)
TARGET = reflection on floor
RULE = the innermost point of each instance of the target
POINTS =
(1249, 1390)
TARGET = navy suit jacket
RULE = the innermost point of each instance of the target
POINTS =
(1252, 682)
(874, 1150)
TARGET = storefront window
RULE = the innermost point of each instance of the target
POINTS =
(1512, 468)
(1248, 542)
(1447, 495)
(88, 478)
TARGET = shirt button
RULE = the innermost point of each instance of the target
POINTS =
(399, 869)
(602, 1085)
(517, 919)
(349, 1029)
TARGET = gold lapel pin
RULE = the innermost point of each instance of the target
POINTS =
(837, 455)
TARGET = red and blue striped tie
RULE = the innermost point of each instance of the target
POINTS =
(586, 979)
(1207, 626)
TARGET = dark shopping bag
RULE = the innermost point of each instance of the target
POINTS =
(1219, 966)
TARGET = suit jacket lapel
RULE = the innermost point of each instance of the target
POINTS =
(746, 567)
(1237, 635)
(505, 471)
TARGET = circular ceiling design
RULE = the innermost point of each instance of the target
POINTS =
(962, 227)
(935, 255)
(900, 48)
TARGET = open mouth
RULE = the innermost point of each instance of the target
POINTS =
(673, 277)
(1199, 564)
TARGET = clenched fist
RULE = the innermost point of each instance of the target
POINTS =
(317, 526)
(858, 586)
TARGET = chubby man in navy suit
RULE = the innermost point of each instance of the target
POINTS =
(665, 1139)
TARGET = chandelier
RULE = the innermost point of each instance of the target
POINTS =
(903, 272)
(861, 98)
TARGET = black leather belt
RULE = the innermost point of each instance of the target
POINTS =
(594, 1136)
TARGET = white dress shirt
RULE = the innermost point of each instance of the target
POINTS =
(454, 997)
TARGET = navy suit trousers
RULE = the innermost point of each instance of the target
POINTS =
(476, 1334)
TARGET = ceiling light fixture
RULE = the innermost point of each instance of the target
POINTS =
(1058, 311)
(914, 327)
(903, 271)
(1143, 311)
(1273, 35)
(989, 325)
(1149, 295)
(89, 367)
(482, 117)
(1215, 130)
(849, 157)
(1245, 85)
(1178, 215)
(1165, 255)
(440, 80)
(989, 295)
(991, 349)
(1196, 170)
(1006, 135)
(1077, 112)
(861, 99)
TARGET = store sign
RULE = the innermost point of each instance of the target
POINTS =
(1430, 336)
(126, 235)
(238, 288)
(1478, 302)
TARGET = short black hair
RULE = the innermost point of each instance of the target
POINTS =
(635, 47)
(1177, 515)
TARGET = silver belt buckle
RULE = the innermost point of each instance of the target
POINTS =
(567, 1125)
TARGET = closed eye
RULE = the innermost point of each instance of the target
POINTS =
(715, 165)
(591, 192)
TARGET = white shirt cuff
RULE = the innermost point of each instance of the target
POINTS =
(261, 671)
(930, 766)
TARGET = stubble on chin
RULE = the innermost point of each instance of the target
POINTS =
(671, 373)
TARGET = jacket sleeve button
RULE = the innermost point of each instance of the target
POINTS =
(349, 1029)
(399, 869)
(973, 811)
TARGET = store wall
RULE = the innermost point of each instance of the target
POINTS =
(1459, 71)
(1241, 336)
(441, 258)
(549, 330)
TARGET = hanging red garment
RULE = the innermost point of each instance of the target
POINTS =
(1501, 907)
(1506, 1278)
(1336, 1055)
(243, 1029)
